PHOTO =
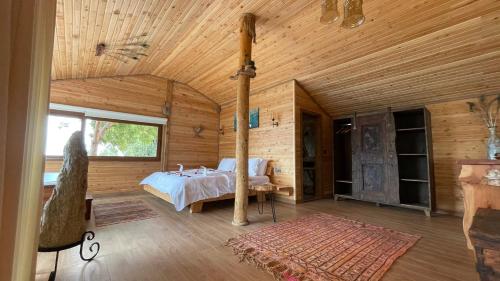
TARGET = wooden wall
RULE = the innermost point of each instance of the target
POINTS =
(143, 94)
(282, 144)
(304, 103)
(275, 144)
(191, 109)
(456, 134)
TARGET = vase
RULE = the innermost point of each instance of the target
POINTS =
(492, 143)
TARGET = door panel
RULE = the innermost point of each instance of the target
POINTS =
(374, 161)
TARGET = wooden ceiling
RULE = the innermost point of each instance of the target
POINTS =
(407, 53)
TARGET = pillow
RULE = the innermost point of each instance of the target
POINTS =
(227, 164)
(253, 166)
(262, 167)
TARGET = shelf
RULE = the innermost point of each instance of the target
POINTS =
(415, 180)
(344, 181)
(411, 129)
(416, 206)
(346, 196)
(413, 154)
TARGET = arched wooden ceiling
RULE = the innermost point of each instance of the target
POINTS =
(407, 53)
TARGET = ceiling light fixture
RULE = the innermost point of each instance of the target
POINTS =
(132, 48)
(353, 12)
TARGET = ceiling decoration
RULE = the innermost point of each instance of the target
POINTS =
(124, 50)
(406, 53)
(353, 12)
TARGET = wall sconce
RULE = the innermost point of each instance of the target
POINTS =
(274, 120)
(221, 130)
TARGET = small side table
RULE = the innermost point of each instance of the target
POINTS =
(262, 190)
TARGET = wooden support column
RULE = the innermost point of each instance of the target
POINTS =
(167, 111)
(246, 70)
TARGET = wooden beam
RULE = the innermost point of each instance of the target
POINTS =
(245, 72)
(165, 130)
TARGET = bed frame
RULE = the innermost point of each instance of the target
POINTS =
(197, 206)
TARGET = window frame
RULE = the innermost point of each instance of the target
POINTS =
(130, 158)
(111, 158)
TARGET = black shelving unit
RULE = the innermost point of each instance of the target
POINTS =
(408, 136)
(414, 159)
(342, 158)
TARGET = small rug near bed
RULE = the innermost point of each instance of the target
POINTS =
(120, 212)
(323, 247)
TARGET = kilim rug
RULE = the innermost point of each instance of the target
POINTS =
(323, 247)
(120, 212)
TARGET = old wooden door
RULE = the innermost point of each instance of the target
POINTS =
(375, 167)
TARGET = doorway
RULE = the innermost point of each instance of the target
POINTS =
(310, 155)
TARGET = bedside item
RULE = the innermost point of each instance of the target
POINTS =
(263, 190)
(485, 236)
(269, 189)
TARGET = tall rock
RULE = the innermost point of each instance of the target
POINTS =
(63, 219)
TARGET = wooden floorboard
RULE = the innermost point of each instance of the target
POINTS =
(182, 246)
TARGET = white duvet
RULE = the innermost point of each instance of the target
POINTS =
(193, 186)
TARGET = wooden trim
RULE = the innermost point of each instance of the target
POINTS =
(169, 94)
(67, 113)
(31, 37)
(197, 206)
(297, 84)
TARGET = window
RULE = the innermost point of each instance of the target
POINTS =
(112, 138)
(60, 127)
(105, 139)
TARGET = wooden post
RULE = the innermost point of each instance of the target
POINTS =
(245, 72)
(167, 111)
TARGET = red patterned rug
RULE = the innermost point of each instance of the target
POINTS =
(323, 247)
(120, 212)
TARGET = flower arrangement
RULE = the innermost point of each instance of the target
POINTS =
(486, 110)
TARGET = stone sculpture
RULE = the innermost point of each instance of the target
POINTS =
(63, 219)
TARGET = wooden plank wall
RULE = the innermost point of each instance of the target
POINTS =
(304, 103)
(275, 144)
(142, 94)
(191, 109)
(456, 134)
(282, 145)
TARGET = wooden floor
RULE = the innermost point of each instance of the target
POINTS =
(183, 246)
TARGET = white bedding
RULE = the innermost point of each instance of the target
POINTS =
(193, 186)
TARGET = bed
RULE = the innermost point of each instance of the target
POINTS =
(197, 186)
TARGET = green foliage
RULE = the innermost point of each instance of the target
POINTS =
(123, 139)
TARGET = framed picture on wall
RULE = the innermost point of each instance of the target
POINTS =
(253, 119)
